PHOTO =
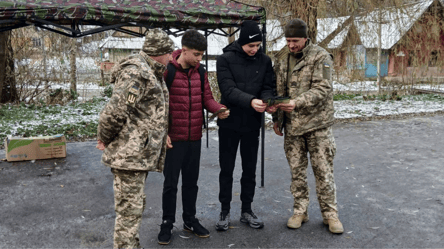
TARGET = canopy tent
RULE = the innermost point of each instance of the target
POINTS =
(67, 17)
(77, 18)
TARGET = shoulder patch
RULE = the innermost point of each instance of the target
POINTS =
(134, 89)
(133, 92)
(326, 71)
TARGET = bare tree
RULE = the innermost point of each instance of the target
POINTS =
(8, 91)
(72, 59)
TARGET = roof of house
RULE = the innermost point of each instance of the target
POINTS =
(275, 40)
(215, 43)
(395, 24)
(326, 26)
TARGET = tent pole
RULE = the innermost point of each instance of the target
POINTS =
(264, 41)
(206, 65)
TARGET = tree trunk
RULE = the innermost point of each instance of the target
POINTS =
(8, 90)
(72, 62)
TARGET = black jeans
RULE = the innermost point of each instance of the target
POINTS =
(228, 143)
(185, 157)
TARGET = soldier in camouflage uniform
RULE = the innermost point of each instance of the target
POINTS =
(303, 72)
(132, 131)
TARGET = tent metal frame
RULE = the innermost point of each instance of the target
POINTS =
(74, 31)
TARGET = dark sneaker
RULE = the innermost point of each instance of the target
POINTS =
(195, 227)
(224, 222)
(164, 237)
(251, 219)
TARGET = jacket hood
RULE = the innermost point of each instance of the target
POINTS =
(237, 48)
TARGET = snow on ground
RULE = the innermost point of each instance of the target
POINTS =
(367, 86)
(435, 87)
(66, 115)
(344, 109)
(80, 86)
(372, 86)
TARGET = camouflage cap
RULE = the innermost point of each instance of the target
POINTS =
(157, 43)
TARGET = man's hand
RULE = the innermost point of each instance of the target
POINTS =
(288, 107)
(100, 145)
(223, 114)
(276, 129)
(272, 109)
(169, 144)
(258, 105)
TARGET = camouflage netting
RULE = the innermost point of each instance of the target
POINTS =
(155, 13)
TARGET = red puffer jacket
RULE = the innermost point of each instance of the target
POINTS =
(186, 118)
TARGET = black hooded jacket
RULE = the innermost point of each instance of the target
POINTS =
(241, 79)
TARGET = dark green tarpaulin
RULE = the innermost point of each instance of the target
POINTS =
(112, 14)
(68, 17)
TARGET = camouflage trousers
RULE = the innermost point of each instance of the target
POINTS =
(129, 203)
(322, 148)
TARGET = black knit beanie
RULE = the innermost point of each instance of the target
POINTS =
(250, 32)
(296, 28)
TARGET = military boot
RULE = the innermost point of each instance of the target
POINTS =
(296, 220)
(334, 225)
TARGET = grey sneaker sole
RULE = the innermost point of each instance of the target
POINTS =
(198, 235)
(257, 226)
(163, 243)
(222, 228)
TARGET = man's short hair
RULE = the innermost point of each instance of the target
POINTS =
(194, 40)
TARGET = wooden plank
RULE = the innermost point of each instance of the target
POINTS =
(427, 91)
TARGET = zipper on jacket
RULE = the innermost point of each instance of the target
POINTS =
(189, 126)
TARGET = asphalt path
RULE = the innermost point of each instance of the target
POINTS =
(389, 177)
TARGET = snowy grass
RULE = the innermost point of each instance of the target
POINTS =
(384, 106)
(78, 121)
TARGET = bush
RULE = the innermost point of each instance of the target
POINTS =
(107, 92)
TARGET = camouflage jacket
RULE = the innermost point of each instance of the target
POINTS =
(134, 123)
(310, 86)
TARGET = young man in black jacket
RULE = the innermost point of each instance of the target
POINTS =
(244, 75)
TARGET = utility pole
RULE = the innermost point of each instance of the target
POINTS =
(379, 49)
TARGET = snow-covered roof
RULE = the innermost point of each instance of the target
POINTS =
(395, 24)
(327, 25)
(215, 43)
(129, 42)
(276, 39)
(122, 43)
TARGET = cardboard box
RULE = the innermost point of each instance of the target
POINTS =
(31, 148)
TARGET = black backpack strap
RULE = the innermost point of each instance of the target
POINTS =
(202, 71)
(171, 73)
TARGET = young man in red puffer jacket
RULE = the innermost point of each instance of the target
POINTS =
(185, 133)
